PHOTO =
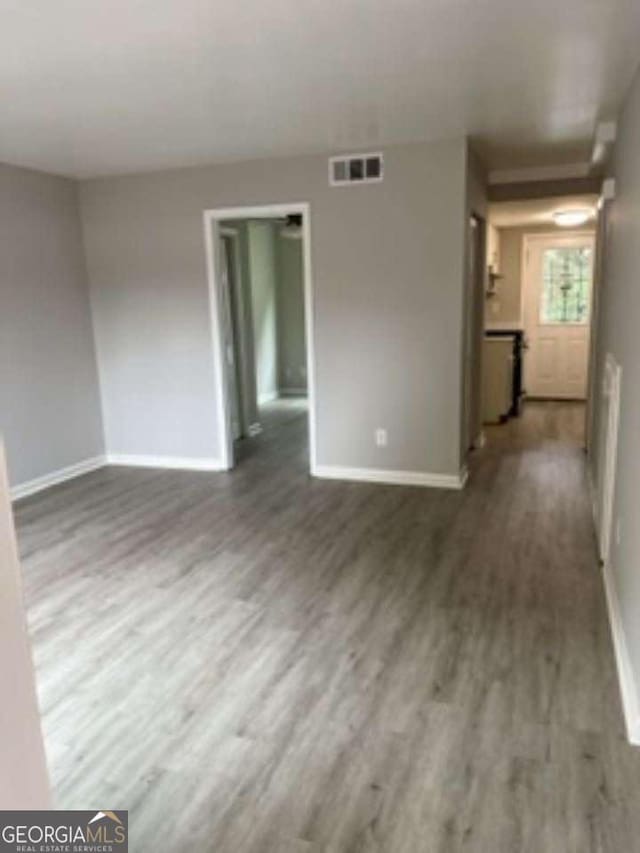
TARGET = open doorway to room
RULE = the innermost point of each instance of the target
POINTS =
(539, 310)
(261, 310)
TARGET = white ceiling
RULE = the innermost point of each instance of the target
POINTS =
(514, 214)
(92, 87)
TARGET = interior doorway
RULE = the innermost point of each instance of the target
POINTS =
(557, 299)
(540, 304)
(260, 287)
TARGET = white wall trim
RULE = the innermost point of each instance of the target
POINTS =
(626, 680)
(212, 222)
(608, 189)
(603, 140)
(183, 463)
(395, 478)
(628, 686)
(218, 355)
(30, 487)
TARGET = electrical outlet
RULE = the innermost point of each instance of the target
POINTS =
(381, 437)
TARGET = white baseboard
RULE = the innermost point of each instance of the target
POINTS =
(293, 392)
(395, 478)
(626, 679)
(185, 463)
(628, 685)
(268, 397)
(23, 490)
(254, 429)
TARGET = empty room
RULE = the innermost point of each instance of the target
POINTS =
(320, 427)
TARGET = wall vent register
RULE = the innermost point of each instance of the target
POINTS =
(355, 169)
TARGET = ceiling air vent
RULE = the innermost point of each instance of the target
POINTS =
(355, 169)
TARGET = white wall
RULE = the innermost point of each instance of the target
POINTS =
(507, 307)
(49, 399)
(248, 363)
(262, 272)
(24, 782)
(388, 290)
(619, 334)
(291, 317)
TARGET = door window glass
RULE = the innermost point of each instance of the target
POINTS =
(566, 285)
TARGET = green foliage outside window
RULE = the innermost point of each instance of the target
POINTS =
(566, 291)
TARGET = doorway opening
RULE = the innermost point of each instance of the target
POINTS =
(261, 300)
(557, 300)
(540, 305)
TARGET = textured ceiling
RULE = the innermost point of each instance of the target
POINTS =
(93, 88)
(512, 214)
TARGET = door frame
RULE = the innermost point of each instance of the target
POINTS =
(473, 334)
(213, 220)
(240, 339)
(535, 236)
(611, 388)
(599, 278)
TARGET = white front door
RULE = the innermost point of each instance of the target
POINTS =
(557, 314)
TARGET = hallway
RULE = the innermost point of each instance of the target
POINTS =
(306, 665)
(284, 433)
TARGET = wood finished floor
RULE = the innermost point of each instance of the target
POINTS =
(258, 661)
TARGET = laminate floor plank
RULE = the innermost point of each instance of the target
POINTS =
(258, 661)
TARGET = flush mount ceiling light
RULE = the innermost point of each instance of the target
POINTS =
(571, 218)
